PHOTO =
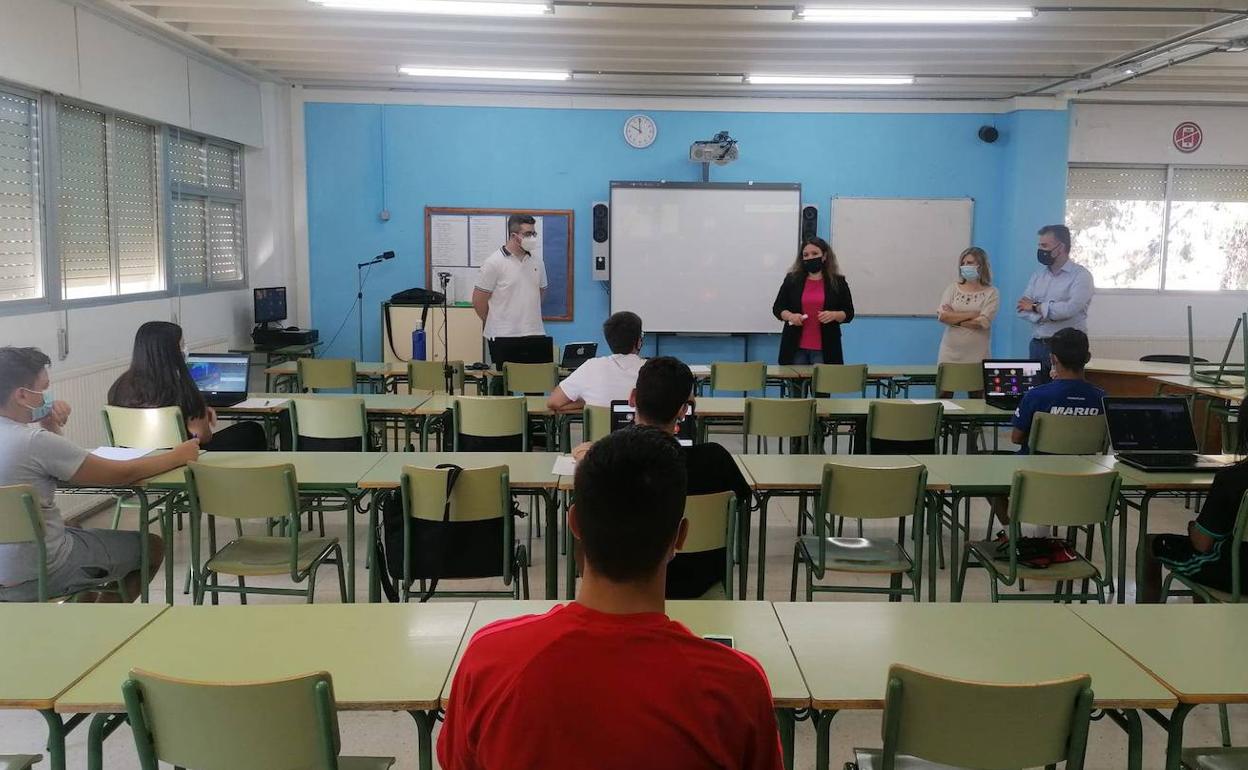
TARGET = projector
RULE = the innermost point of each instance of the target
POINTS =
(721, 150)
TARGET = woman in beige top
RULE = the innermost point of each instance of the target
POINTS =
(967, 309)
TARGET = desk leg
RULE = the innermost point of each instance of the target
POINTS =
(743, 538)
(374, 576)
(934, 504)
(954, 534)
(551, 505)
(424, 738)
(57, 730)
(1174, 735)
(1139, 548)
(102, 726)
(1120, 588)
(823, 738)
(1129, 721)
(569, 548)
(762, 547)
(145, 556)
(787, 725)
(350, 555)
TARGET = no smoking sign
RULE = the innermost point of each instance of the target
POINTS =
(1188, 137)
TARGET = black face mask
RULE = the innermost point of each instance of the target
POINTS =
(1045, 257)
(812, 265)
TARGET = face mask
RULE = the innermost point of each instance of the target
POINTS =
(44, 409)
(529, 243)
(812, 265)
(1045, 257)
(969, 272)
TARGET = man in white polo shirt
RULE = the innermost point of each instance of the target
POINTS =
(599, 381)
(510, 285)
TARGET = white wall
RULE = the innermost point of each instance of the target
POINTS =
(1127, 324)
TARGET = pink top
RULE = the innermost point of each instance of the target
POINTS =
(812, 303)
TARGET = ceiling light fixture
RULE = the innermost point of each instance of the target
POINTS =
(446, 7)
(443, 72)
(911, 15)
(839, 80)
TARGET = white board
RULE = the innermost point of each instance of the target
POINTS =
(702, 258)
(899, 254)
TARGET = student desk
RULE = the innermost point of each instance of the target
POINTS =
(274, 356)
(1124, 377)
(530, 473)
(430, 415)
(1204, 398)
(285, 375)
(381, 657)
(317, 473)
(46, 648)
(394, 411)
(844, 651)
(753, 626)
(1196, 651)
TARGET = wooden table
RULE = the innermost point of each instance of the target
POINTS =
(530, 473)
(396, 409)
(1196, 651)
(392, 657)
(844, 651)
(753, 626)
(336, 473)
(46, 648)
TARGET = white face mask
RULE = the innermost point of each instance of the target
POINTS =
(529, 243)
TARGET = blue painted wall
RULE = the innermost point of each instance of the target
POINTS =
(565, 159)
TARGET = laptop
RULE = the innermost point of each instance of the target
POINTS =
(1155, 434)
(623, 415)
(577, 353)
(1006, 381)
(220, 377)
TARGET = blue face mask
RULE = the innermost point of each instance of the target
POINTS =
(44, 409)
(969, 272)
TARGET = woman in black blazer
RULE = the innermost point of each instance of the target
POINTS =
(814, 301)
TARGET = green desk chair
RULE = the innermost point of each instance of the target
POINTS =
(782, 418)
(829, 380)
(530, 379)
(21, 522)
(865, 493)
(326, 374)
(19, 761)
(713, 527)
(329, 425)
(743, 377)
(431, 375)
(154, 428)
(241, 494)
(900, 427)
(1081, 503)
(933, 722)
(283, 724)
(955, 379)
(466, 532)
(489, 421)
(1067, 434)
(597, 422)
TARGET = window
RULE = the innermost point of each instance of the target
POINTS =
(206, 238)
(1161, 227)
(108, 209)
(21, 255)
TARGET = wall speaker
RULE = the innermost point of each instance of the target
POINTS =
(600, 251)
(988, 134)
(810, 222)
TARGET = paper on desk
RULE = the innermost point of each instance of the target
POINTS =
(949, 405)
(564, 466)
(260, 403)
(120, 453)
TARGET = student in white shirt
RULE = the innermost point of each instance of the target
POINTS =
(511, 284)
(599, 381)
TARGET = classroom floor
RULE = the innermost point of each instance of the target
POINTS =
(393, 734)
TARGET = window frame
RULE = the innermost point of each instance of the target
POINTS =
(1170, 169)
(208, 286)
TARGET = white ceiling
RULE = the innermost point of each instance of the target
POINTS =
(704, 47)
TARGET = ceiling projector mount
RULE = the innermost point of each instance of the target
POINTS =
(721, 150)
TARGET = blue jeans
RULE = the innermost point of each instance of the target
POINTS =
(1038, 350)
(805, 357)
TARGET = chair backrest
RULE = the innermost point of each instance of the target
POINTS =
(713, 525)
(903, 421)
(831, 379)
(491, 416)
(329, 418)
(20, 520)
(243, 493)
(287, 724)
(1239, 535)
(151, 428)
(1063, 499)
(431, 375)
(741, 376)
(872, 493)
(479, 494)
(534, 379)
(782, 417)
(959, 378)
(597, 422)
(1067, 434)
(976, 724)
(326, 374)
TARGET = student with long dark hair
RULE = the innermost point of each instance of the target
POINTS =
(158, 376)
(813, 302)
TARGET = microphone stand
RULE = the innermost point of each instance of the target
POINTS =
(447, 373)
(359, 298)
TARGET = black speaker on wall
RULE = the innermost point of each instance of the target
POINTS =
(810, 221)
(988, 134)
(600, 232)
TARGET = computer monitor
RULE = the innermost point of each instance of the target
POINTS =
(1150, 425)
(269, 304)
(623, 415)
(1006, 381)
(222, 378)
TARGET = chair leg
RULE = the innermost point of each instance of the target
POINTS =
(959, 580)
(242, 590)
(1225, 722)
(117, 513)
(342, 576)
(311, 594)
(894, 585)
(797, 555)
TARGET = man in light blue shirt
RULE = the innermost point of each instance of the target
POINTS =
(1058, 294)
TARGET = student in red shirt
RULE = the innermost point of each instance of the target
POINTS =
(609, 681)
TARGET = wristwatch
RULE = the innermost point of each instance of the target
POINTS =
(1035, 307)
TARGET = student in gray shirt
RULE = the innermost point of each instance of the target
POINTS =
(33, 452)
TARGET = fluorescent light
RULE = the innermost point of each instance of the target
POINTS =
(912, 15)
(448, 7)
(816, 80)
(442, 72)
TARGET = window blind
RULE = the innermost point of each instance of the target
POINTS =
(207, 216)
(82, 210)
(21, 276)
(135, 208)
(1220, 185)
(1120, 184)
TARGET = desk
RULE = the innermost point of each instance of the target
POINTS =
(844, 651)
(373, 373)
(1124, 377)
(316, 473)
(753, 626)
(394, 409)
(46, 648)
(274, 356)
(431, 411)
(1196, 651)
(1204, 398)
(382, 657)
(528, 472)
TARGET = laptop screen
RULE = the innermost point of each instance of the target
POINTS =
(218, 373)
(1150, 425)
(577, 353)
(623, 415)
(1010, 379)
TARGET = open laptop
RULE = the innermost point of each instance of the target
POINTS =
(221, 377)
(577, 353)
(623, 415)
(1155, 434)
(1006, 381)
